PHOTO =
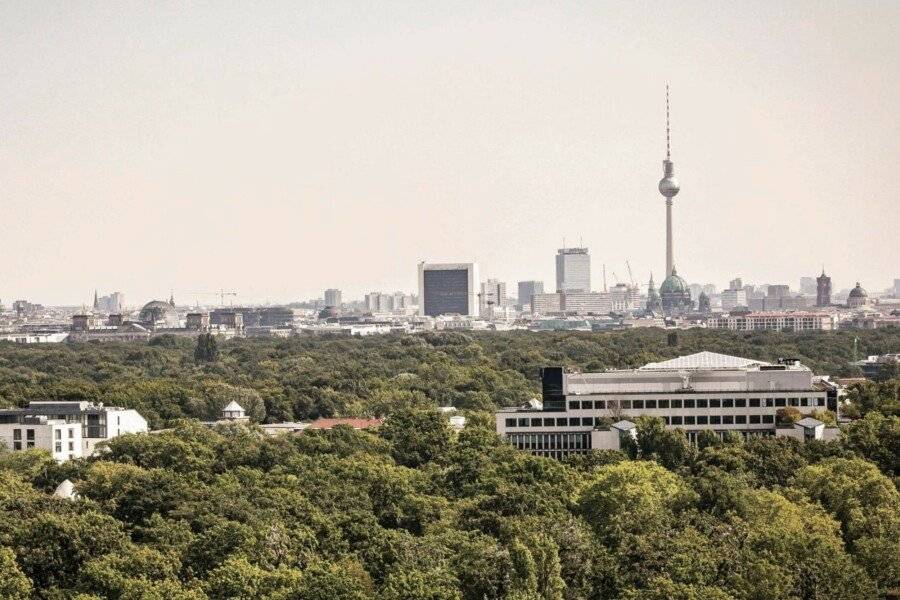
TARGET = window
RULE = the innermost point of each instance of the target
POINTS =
(549, 422)
(677, 421)
(666, 420)
(637, 404)
(804, 401)
(754, 419)
(715, 403)
(728, 403)
(740, 419)
(769, 402)
(820, 401)
(562, 422)
(650, 404)
(574, 404)
(689, 420)
(727, 419)
(687, 404)
(57, 447)
(742, 402)
(600, 404)
(663, 404)
(768, 419)
(29, 444)
(702, 420)
(575, 421)
(780, 402)
(57, 434)
(589, 421)
(17, 445)
(17, 434)
(510, 422)
(795, 401)
(626, 404)
(29, 434)
(536, 422)
(71, 446)
(523, 422)
(701, 403)
(71, 433)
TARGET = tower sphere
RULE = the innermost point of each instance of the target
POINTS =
(668, 186)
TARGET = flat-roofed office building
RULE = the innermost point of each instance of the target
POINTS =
(573, 270)
(448, 289)
(701, 391)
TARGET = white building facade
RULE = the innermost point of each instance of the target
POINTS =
(701, 391)
(66, 429)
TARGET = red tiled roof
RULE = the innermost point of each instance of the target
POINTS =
(354, 423)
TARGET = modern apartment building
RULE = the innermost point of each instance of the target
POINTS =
(701, 391)
(66, 429)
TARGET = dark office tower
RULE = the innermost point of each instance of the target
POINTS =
(823, 289)
(527, 289)
(448, 289)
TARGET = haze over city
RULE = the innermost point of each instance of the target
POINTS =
(280, 150)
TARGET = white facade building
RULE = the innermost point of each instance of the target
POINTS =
(701, 391)
(66, 429)
(774, 321)
(573, 270)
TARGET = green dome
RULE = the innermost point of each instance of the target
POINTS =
(673, 284)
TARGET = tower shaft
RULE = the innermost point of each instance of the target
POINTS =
(670, 260)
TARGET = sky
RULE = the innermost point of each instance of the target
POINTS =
(277, 149)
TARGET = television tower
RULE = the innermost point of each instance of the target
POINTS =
(668, 187)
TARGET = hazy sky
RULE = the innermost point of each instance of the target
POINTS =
(278, 149)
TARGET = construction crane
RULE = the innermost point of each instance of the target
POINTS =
(630, 274)
(221, 294)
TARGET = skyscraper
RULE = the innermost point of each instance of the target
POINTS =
(573, 270)
(448, 288)
(333, 297)
(823, 289)
(527, 289)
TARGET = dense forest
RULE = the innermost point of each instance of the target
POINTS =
(418, 511)
(307, 377)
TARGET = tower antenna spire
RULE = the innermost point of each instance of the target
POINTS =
(668, 151)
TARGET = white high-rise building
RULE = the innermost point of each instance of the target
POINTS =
(573, 270)
(333, 297)
(448, 288)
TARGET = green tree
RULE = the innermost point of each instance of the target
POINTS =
(207, 349)
(14, 585)
(418, 436)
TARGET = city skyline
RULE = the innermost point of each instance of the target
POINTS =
(195, 161)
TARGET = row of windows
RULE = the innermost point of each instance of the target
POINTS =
(58, 447)
(673, 420)
(692, 403)
(551, 441)
(29, 434)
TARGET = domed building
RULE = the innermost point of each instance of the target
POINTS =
(858, 297)
(159, 313)
(675, 295)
